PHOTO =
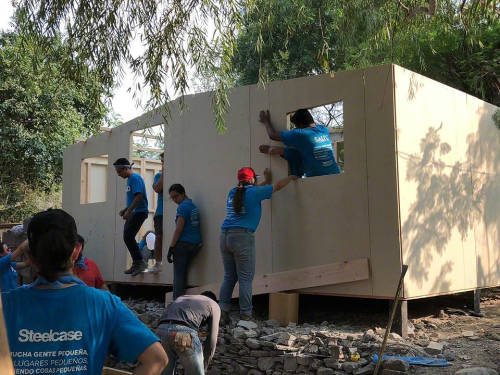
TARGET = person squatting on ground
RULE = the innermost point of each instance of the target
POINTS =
(134, 214)
(186, 241)
(8, 266)
(237, 242)
(87, 270)
(158, 218)
(309, 150)
(178, 330)
(59, 325)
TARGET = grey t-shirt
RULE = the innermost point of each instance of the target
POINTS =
(196, 311)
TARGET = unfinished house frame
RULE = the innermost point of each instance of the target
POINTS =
(420, 187)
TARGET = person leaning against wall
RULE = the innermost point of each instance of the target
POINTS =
(62, 324)
(237, 243)
(134, 214)
(158, 218)
(186, 240)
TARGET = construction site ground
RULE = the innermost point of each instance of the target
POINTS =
(330, 329)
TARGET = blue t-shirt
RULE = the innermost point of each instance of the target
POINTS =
(315, 146)
(135, 185)
(191, 231)
(8, 274)
(70, 330)
(159, 205)
(251, 211)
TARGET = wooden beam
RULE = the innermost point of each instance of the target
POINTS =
(157, 137)
(150, 149)
(309, 277)
(5, 360)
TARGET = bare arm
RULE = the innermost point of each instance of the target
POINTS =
(22, 265)
(265, 118)
(20, 249)
(211, 342)
(152, 360)
(178, 231)
(267, 177)
(158, 186)
(282, 183)
(137, 199)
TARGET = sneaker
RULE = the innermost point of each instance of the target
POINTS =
(138, 268)
(129, 270)
(156, 268)
(248, 318)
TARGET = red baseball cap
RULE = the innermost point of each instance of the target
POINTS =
(246, 174)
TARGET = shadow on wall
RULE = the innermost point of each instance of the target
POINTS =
(452, 197)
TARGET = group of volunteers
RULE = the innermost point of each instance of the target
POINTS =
(60, 325)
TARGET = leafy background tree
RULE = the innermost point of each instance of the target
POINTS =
(42, 110)
(455, 42)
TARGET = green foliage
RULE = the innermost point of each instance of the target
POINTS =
(41, 112)
(175, 35)
(457, 42)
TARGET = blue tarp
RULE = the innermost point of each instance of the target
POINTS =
(421, 361)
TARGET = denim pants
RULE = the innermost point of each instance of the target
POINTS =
(191, 358)
(130, 229)
(237, 247)
(184, 252)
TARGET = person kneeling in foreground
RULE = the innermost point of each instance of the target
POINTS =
(67, 325)
(178, 330)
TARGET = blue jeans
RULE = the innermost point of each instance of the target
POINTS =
(184, 252)
(237, 247)
(191, 358)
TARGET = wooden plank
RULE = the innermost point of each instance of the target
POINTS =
(150, 149)
(328, 274)
(113, 371)
(6, 366)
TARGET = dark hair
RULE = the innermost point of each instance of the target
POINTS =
(122, 163)
(1, 247)
(239, 196)
(302, 117)
(80, 240)
(209, 294)
(178, 188)
(162, 155)
(52, 236)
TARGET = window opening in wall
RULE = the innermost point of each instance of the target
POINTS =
(94, 179)
(331, 116)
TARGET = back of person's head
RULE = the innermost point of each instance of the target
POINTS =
(52, 237)
(245, 177)
(210, 295)
(302, 118)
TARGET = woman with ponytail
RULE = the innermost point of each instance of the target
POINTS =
(237, 243)
(64, 325)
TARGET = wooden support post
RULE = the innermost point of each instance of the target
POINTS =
(401, 318)
(284, 307)
(477, 301)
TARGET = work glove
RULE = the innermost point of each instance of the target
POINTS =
(170, 254)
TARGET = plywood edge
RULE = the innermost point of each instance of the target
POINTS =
(112, 371)
(328, 274)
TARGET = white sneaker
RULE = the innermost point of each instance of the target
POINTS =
(156, 268)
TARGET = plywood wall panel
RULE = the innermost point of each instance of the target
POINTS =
(385, 249)
(258, 101)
